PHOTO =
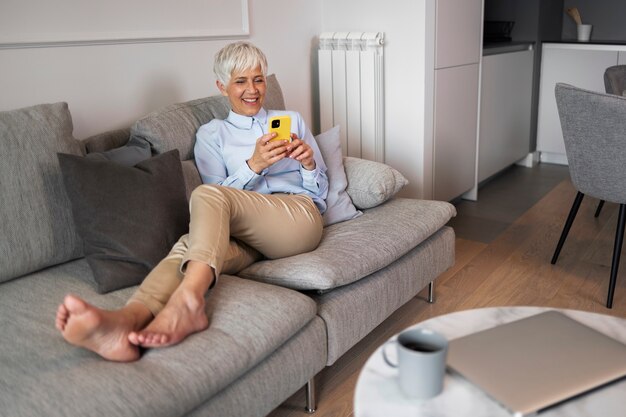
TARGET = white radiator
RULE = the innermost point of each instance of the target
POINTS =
(351, 91)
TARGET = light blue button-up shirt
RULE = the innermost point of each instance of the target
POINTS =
(223, 147)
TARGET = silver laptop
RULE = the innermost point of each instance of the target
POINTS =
(533, 363)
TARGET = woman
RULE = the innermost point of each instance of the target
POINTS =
(261, 197)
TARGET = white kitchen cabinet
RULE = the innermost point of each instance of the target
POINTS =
(581, 65)
(456, 108)
(456, 69)
(505, 110)
(458, 32)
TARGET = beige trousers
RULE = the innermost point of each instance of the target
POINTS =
(230, 229)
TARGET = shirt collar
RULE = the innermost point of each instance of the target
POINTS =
(245, 122)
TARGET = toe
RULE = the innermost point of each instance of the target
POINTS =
(74, 305)
(133, 338)
(60, 322)
(163, 339)
(151, 340)
(62, 312)
(61, 317)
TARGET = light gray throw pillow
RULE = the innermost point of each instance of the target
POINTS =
(37, 229)
(371, 183)
(339, 207)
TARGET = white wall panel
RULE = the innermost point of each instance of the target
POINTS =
(110, 86)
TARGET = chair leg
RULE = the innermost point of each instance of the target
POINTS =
(568, 224)
(599, 209)
(617, 250)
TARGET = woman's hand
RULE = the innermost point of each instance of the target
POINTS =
(301, 152)
(267, 152)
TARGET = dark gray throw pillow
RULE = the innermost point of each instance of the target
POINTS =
(128, 217)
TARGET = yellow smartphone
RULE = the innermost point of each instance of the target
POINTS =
(281, 125)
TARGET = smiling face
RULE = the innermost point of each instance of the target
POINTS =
(245, 91)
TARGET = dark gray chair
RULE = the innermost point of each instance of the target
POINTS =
(615, 80)
(594, 130)
(614, 83)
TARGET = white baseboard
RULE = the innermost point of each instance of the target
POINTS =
(471, 195)
(553, 158)
(529, 160)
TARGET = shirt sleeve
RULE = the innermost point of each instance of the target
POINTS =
(315, 181)
(210, 163)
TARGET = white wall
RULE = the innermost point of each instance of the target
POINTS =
(403, 23)
(110, 86)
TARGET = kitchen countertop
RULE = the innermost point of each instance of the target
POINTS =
(493, 48)
(590, 42)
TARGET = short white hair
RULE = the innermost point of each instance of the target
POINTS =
(238, 57)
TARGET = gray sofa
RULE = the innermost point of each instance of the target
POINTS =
(272, 329)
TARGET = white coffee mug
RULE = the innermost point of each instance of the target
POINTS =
(584, 32)
(421, 362)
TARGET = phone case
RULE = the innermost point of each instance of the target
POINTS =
(281, 125)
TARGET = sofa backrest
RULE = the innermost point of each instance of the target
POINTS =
(175, 127)
(37, 228)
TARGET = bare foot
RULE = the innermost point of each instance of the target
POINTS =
(183, 315)
(101, 331)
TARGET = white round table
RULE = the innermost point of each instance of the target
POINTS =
(378, 394)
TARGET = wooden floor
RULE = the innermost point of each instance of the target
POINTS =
(507, 265)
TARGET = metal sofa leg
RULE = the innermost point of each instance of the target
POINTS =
(311, 402)
(431, 292)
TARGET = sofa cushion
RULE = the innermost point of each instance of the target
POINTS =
(129, 154)
(192, 176)
(274, 380)
(36, 227)
(274, 99)
(371, 183)
(175, 126)
(102, 142)
(352, 250)
(40, 371)
(129, 217)
(349, 319)
(339, 207)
